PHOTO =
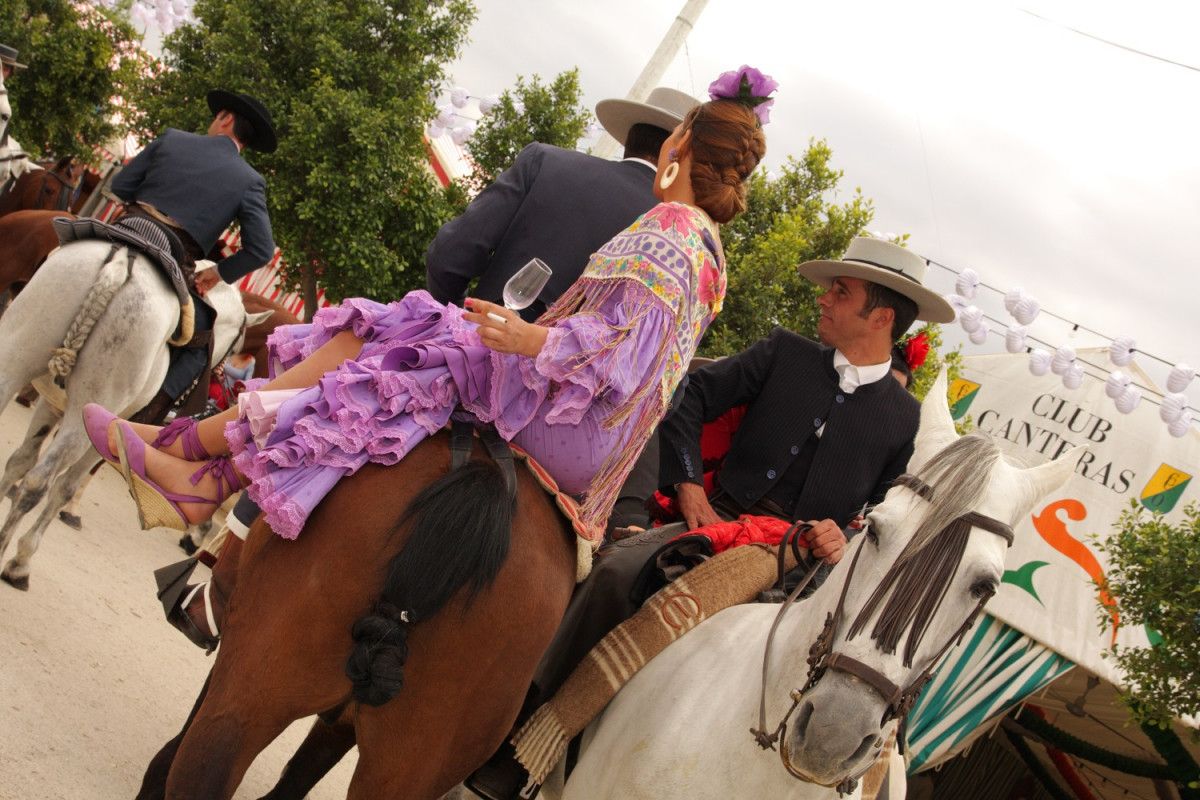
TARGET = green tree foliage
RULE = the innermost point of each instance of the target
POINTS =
(81, 59)
(789, 219)
(350, 86)
(1153, 577)
(529, 112)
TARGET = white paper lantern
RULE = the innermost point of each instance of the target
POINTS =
(1039, 361)
(435, 131)
(1181, 426)
(1012, 297)
(488, 103)
(1026, 310)
(1014, 338)
(1120, 352)
(1129, 400)
(1073, 377)
(462, 133)
(1115, 385)
(458, 97)
(957, 302)
(1064, 358)
(968, 283)
(970, 318)
(1181, 375)
(180, 8)
(980, 334)
(446, 117)
(1172, 408)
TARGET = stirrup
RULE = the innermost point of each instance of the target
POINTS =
(184, 429)
(182, 621)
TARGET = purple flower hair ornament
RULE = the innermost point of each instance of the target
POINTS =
(749, 87)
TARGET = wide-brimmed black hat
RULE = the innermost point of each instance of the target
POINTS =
(8, 55)
(250, 110)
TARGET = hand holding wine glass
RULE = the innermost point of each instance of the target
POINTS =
(524, 287)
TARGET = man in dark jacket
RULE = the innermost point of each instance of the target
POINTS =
(196, 186)
(554, 204)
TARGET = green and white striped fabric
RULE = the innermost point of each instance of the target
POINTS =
(992, 671)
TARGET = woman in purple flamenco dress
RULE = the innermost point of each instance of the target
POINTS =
(580, 391)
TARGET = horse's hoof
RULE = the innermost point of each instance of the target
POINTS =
(21, 583)
(188, 545)
(72, 521)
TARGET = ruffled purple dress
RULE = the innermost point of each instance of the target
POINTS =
(619, 342)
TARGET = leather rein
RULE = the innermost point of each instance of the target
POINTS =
(822, 657)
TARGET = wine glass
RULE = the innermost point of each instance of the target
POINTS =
(524, 287)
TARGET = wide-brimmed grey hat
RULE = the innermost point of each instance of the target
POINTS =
(887, 264)
(250, 110)
(664, 108)
(8, 55)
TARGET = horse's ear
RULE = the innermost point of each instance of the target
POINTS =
(937, 426)
(257, 317)
(1046, 478)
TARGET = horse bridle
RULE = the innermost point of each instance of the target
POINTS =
(822, 657)
(65, 198)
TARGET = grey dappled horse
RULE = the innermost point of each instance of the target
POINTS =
(120, 365)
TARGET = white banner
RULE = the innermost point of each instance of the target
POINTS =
(1049, 590)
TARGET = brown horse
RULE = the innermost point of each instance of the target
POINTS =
(256, 335)
(462, 618)
(26, 238)
(65, 186)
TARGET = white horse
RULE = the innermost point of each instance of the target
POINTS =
(121, 365)
(681, 728)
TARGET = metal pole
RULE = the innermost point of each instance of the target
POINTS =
(652, 73)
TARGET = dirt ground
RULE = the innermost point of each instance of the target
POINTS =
(93, 680)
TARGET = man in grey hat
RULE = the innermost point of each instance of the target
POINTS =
(555, 204)
(194, 186)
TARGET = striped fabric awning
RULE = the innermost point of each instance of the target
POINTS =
(978, 681)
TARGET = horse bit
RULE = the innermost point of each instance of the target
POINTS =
(822, 657)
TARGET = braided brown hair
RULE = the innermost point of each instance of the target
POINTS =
(727, 143)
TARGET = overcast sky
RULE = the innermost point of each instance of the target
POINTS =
(1003, 136)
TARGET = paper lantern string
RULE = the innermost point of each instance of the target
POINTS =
(1014, 338)
(1116, 384)
(1181, 375)
(1039, 361)
(1063, 360)
(967, 284)
(1121, 351)
(970, 319)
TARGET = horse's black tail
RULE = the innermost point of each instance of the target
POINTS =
(460, 528)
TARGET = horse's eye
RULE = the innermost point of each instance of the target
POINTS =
(983, 589)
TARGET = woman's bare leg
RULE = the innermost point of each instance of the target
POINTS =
(211, 430)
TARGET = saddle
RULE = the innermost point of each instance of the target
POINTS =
(155, 241)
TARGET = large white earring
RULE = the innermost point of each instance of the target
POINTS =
(669, 175)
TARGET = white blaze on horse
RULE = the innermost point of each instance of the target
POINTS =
(934, 550)
(131, 311)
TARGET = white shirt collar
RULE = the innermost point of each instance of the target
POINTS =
(642, 161)
(850, 376)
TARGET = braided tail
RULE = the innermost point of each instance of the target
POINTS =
(461, 524)
(110, 278)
